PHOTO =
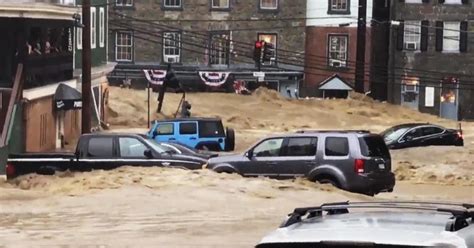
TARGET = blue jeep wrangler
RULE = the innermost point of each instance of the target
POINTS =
(199, 133)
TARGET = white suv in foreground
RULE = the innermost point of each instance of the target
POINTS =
(376, 224)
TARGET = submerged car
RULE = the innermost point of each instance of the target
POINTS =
(356, 161)
(178, 148)
(377, 225)
(199, 133)
(421, 134)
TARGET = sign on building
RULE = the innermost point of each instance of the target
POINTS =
(429, 96)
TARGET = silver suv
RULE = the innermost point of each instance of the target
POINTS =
(376, 224)
(357, 161)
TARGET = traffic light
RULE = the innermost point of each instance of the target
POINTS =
(186, 109)
(268, 52)
(257, 52)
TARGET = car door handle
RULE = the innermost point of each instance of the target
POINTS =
(171, 139)
(310, 163)
(193, 138)
(272, 163)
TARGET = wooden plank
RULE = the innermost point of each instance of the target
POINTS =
(15, 96)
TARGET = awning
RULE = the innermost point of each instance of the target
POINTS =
(67, 98)
(335, 82)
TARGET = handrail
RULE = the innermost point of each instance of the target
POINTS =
(14, 96)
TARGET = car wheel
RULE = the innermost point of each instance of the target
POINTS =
(230, 140)
(328, 180)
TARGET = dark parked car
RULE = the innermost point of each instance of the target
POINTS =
(377, 225)
(351, 160)
(178, 148)
(101, 151)
(417, 134)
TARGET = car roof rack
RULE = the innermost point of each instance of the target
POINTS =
(460, 211)
(331, 131)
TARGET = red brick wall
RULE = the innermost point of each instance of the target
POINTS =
(317, 69)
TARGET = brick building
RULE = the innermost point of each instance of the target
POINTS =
(331, 45)
(431, 57)
(208, 36)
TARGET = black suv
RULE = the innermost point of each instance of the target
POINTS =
(357, 161)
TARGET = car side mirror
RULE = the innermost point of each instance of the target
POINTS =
(249, 154)
(155, 133)
(148, 154)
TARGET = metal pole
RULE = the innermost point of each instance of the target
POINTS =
(361, 39)
(86, 67)
(148, 104)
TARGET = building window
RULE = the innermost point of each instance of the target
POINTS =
(172, 4)
(102, 27)
(219, 49)
(412, 35)
(452, 1)
(410, 84)
(451, 36)
(270, 38)
(268, 4)
(124, 46)
(171, 47)
(337, 47)
(124, 3)
(93, 28)
(339, 7)
(220, 4)
(79, 36)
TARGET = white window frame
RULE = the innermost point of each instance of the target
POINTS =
(451, 37)
(128, 3)
(101, 27)
(334, 4)
(220, 7)
(413, 1)
(79, 35)
(173, 6)
(219, 53)
(125, 46)
(455, 2)
(176, 39)
(269, 8)
(342, 61)
(93, 27)
(412, 34)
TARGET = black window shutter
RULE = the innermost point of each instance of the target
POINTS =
(424, 35)
(463, 37)
(465, 1)
(439, 36)
(441, 1)
(400, 35)
(426, 1)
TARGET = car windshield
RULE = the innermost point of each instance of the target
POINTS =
(157, 147)
(394, 133)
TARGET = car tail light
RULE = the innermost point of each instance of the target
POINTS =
(359, 166)
(10, 170)
(460, 135)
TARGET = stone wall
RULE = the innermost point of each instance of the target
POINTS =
(290, 30)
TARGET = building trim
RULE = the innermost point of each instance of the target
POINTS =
(38, 11)
(47, 90)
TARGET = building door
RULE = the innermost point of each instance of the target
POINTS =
(449, 99)
(288, 89)
(60, 129)
(410, 92)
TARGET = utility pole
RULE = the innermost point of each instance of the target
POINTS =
(361, 45)
(86, 67)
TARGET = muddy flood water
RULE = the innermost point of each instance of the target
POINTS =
(156, 207)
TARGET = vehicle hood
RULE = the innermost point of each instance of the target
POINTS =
(201, 160)
(396, 229)
(227, 159)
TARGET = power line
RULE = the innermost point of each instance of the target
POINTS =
(293, 53)
(311, 73)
